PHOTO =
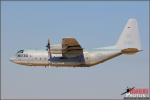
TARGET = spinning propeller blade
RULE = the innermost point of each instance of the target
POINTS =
(49, 49)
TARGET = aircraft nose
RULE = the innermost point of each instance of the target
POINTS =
(12, 59)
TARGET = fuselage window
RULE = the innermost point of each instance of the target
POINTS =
(22, 55)
(18, 55)
(26, 55)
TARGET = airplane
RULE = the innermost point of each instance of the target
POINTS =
(70, 53)
(127, 90)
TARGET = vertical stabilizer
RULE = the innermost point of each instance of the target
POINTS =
(129, 39)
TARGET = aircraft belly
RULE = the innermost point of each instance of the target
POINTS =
(74, 64)
(62, 61)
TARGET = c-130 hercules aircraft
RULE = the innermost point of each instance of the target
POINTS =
(71, 54)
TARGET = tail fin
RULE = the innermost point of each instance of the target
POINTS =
(129, 41)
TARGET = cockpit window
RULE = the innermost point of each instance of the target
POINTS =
(20, 51)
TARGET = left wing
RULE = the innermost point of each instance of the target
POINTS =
(71, 47)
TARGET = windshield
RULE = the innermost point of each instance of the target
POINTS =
(20, 51)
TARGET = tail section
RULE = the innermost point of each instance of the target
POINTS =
(129, 41)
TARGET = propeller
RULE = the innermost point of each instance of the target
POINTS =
(48, 45)
(49, 49)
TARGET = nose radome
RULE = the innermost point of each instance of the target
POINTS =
(12, 59)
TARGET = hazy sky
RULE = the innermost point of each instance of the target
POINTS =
(28, 24)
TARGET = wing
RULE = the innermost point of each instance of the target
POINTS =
(71, 47)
